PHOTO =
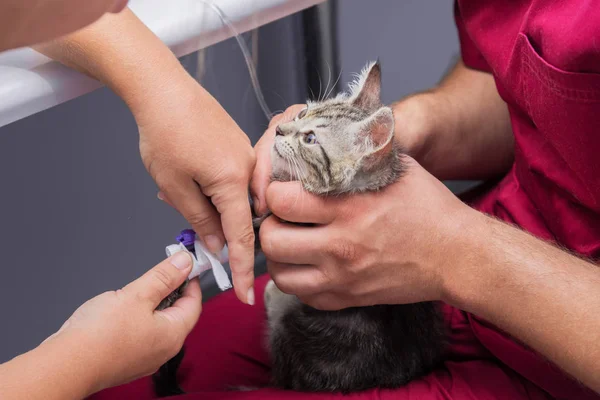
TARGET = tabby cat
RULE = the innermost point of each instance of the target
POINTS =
(338, 146)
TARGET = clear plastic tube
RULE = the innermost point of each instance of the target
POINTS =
(247, 57)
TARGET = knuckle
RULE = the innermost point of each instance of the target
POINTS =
(246, 238)
(238, 170)
(200, 219)
(344, 250)
(163, 280)
(165, 183)
(284, 204)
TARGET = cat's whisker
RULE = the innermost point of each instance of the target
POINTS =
(298, 172)
(334, 85)
(311, 92)
(301, 173)
(302, 168)
(293, 171)
(328, 81)
(289, 167)
(320, 86)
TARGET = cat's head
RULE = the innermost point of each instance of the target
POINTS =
(335, 145)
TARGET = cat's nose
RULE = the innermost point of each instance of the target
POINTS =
(278, 131)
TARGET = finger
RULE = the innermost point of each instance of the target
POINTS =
(187, 198)
(261, 176)
(161, 280)
(237, 224)
(299, 280)
(288, 115)
(290, 202)
(286, 243)
(186, 310)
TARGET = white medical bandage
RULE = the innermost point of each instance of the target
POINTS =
(205, 260)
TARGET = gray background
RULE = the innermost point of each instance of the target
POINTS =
(79, 214)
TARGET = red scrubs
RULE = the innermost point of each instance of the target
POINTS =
(545, 57)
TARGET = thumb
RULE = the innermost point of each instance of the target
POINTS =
(261, 177)
(161, 280)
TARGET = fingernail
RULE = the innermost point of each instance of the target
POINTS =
(213, 243)
(181, 260)
(250, 296)
(160, 196)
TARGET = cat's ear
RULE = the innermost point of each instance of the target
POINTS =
(375, 136)
(365, 93)
(378, 130)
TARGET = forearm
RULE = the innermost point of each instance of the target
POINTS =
(56, 370)
(124, 54)
(540, 294)
(465, 130)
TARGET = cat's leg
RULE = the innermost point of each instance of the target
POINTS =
(173, 297)
(165, 379)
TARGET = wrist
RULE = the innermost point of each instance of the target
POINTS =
(72, 351)
(417, 123)
(425, 128)
(412, 126)
(464, 269)
(154, 88)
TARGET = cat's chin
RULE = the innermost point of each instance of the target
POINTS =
(280, 169)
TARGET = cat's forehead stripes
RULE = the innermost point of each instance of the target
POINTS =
(336, 110)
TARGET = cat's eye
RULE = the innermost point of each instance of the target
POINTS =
(302, 113)
(310, 138)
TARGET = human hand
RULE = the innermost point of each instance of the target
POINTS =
(261, 176)
(390, 247)
(120, 333)
(202, 163)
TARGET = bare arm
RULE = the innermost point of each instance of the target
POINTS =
(121, 52)
(540, 294)
(459, 129)
(56, 370)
